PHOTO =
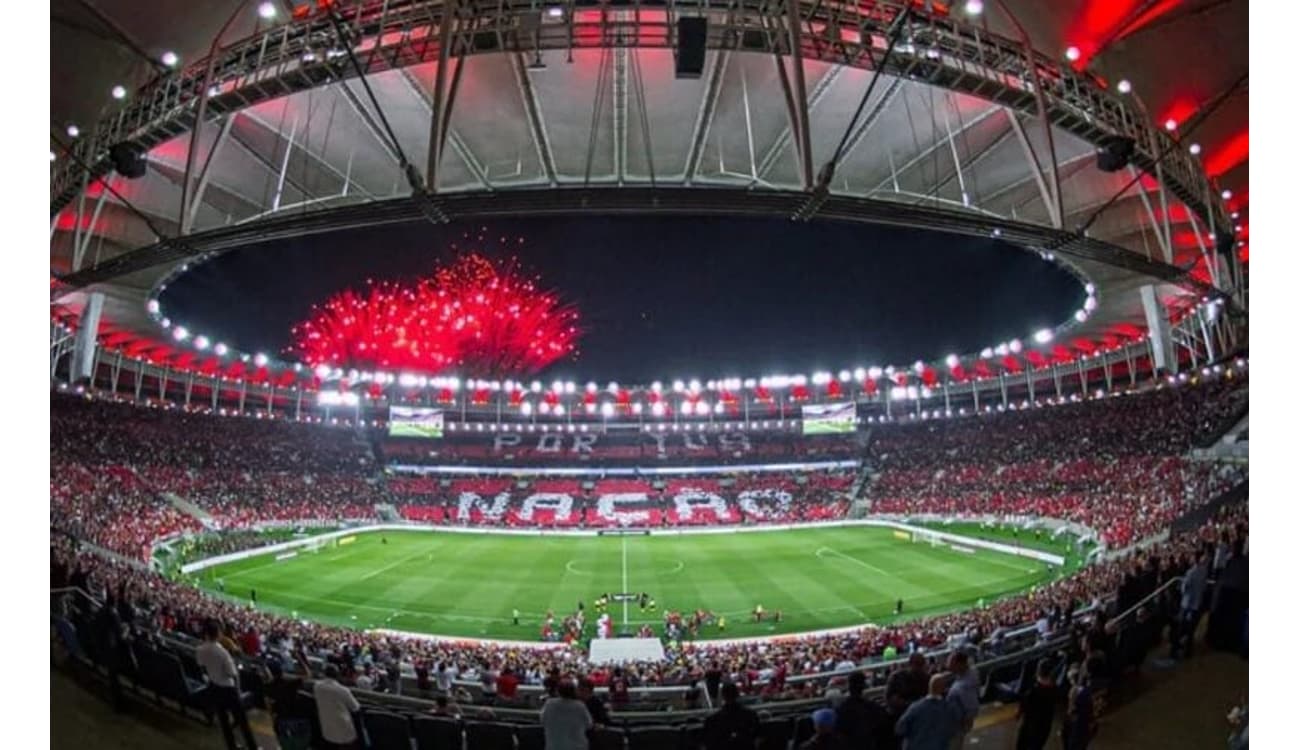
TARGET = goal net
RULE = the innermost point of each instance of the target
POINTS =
(921, 536)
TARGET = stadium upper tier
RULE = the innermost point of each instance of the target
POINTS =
(1116, 465)
(965, 131)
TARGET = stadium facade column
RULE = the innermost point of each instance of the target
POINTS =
(83, 347)
(162, 383)
(1107, 373)
(1132, 367)
(1056, 375)
(975, 394)
(243, 394)
(216, 391)
(297, 406)
(1164, 358)
(189, 388)
(115, 372)
(947, 397)
(139, 378)
(1083, 375)
(1029, 382)
(1002, 383)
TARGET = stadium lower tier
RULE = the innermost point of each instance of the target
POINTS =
(154, 604)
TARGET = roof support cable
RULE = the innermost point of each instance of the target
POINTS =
(419, 193)
(827, 172)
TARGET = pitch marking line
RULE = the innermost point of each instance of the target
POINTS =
(578, 571)
(625, 589)
(823, 551)
(393, 564)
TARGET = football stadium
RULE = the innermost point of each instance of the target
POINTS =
(664, 374)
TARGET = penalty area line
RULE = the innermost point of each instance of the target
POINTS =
(823, 551)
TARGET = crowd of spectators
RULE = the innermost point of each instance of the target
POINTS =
(1116, 465)
(155, 605)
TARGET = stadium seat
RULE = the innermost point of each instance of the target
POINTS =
(803, 729)
(774, 734)
(655, 738)
(387, 731)
(175, 685)
(607, 738)
(437, 734)
(531, 737)
(489, 735)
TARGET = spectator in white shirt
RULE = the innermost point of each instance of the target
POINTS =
(336, 707)
(223, 687)
(565, 720)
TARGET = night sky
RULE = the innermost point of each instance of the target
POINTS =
(668, 297)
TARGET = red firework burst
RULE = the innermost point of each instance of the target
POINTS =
(475, 315)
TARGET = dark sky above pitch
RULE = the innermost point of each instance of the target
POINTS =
(668, 297)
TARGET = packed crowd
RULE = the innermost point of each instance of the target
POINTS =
(605, 503)
(1115, 465)
(115, 469)
(536, 448)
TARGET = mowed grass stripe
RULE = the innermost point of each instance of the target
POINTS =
(455, 584)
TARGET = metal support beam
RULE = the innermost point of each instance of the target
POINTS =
(205, 174)
(536, 126)
(445, 30)
(804, 137)
(704, 117)
(1162, 237)
(1051, 202)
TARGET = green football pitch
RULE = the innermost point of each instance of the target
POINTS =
(468, 584)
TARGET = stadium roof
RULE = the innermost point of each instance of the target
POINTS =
(582, 96)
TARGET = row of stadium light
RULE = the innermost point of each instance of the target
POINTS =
(1205, 373)
(180, 334)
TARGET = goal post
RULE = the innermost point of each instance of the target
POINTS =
(923, 536)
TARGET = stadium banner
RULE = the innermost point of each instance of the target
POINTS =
(414, 422)
(829, 419)
(616, 471)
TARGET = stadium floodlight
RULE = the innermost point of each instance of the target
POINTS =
(678, 386)
(636, 408)
(845, 376)
(266, 10)
(180, 333)
(555, 11)
(51, 154)
(1072, 53)
(590, 408)
(695, 385)
(974, 7)
(607, 410)
(1090, 304)
(1171, 124)
(1227, 195)
(73, 131)
(170, 59)
(685, 408)
(657, 408)
(570, 387)
(1080, 315)
(613, 387)
(591, 387)
(750, 383)
(952, 360)
(322, 370)
(799, 380)
(559, 410)
(1089, 288)
(152, 306)
(874, 372)
(702, 408)
(1124, 86)
(407, 380)
(1015, 346)
(201, 342)
(1043, 335)
(525, 408)
(897, 393)
(260, 359)
(557, 387)
(986, 353)
(535, 387)
(860, 374)
(821, 378)
(1002, 349)
(656, 387)
(1195, 149)
(918, 367)
(119, 92)
(1236, 214)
